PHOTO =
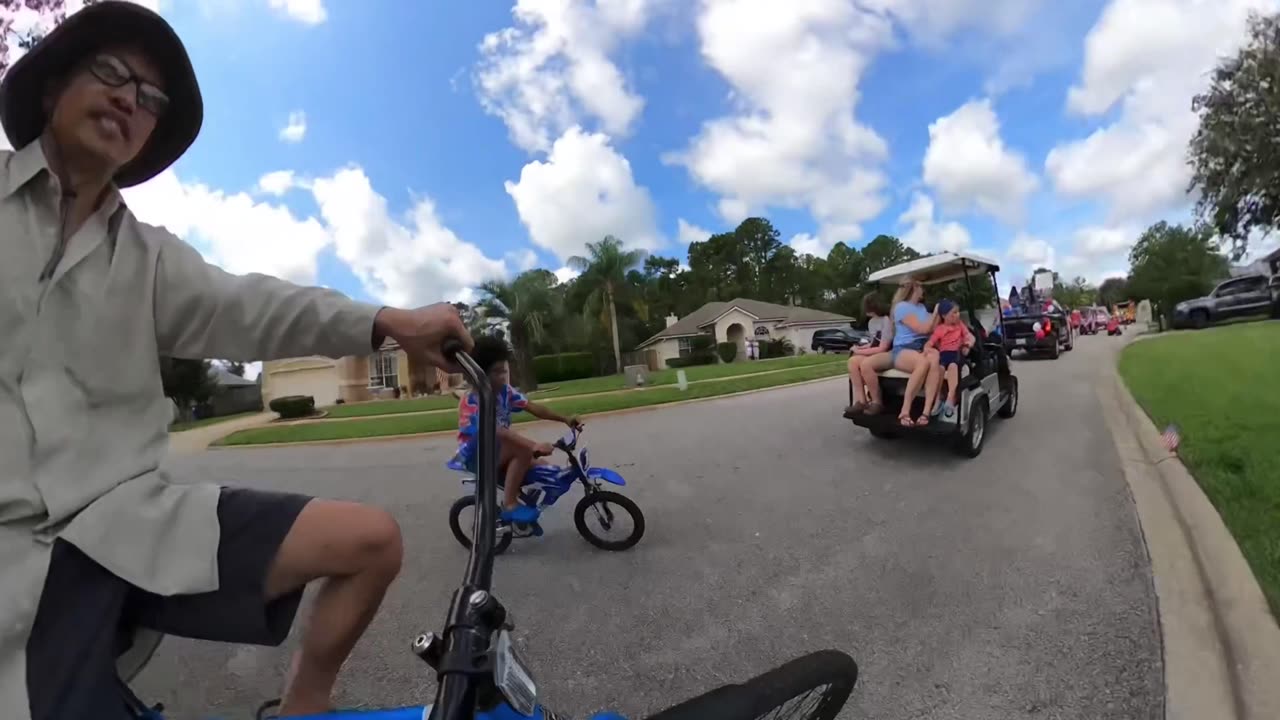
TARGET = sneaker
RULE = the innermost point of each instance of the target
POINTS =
(948, 411)
(521, 514)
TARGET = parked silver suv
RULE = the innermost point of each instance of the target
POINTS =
(1237, 297)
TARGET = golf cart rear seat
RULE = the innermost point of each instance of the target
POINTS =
(896, 373)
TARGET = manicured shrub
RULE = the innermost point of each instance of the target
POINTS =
(293, 406)
(727, 351)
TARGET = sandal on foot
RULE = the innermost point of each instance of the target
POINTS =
(855, 409)
(873, 408)
(922, 421)
(905, 421)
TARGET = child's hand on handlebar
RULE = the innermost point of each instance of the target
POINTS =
(542, 450)
(574, 422)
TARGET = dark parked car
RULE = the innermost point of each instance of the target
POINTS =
(1237, 297)
(839, 340)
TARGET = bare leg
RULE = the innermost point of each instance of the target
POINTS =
(357, 549)
(910, 361)
(932, 382)
(953, 378)
(859, 394)
(869, 368)
(518, 460)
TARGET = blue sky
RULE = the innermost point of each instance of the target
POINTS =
(437, 144)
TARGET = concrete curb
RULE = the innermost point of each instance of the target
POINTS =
(1221, 645)
(435, 433)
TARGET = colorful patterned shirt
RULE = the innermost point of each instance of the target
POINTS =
(510, 400)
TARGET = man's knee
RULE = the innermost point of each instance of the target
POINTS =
(378, 540)
(336, 539)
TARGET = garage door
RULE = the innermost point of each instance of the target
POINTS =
(319, 383)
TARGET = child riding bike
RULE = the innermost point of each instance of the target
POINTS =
(516, 453)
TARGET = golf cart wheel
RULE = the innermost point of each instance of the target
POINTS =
(602, 506)
(501, 542)
(1056, 352)
(812, 687)
(1010, 407)
(883, 434)
(974, 437)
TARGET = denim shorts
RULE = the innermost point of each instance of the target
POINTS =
(917, 345)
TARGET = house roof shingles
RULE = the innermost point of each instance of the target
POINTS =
(788, 315)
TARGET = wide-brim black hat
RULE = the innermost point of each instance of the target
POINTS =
(109, 22)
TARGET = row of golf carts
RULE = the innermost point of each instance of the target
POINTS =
(987, 385)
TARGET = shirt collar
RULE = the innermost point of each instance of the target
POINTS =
(26, 164)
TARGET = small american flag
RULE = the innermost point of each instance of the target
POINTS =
(1170, 438)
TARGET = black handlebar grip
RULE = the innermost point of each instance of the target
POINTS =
(451, 347)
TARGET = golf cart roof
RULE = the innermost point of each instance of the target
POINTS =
(939, 268)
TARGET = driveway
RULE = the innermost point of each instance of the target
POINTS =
(1015, 585)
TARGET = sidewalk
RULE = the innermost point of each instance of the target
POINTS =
(198, 439)
(1221, 644)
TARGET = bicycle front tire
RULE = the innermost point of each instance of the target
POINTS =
(812, 687)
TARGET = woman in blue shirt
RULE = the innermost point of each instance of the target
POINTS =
(912, 324)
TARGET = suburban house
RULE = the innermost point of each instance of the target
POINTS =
(234, 395)
(355, 378)
(737, 321)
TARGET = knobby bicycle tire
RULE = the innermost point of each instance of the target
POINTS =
(794, 686)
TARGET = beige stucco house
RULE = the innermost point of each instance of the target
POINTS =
(738, 321)
(354, 378)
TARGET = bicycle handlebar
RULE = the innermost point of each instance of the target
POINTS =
(473, 612)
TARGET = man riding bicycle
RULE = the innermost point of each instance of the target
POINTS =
(95, 540)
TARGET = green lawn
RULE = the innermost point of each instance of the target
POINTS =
(412, 424)
(183, 426)
(585, 386)
(1221, 388)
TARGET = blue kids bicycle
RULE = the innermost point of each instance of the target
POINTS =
(480, 676)
(545, 484)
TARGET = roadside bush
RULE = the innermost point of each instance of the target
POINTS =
(781, 347)
(727, 351)
(293, 406)
(564, 366)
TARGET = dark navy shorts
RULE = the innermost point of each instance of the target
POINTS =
(949, 357)
(86, 615)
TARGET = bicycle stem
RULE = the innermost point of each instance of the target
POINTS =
(463, 662)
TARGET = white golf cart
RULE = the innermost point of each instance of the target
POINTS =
(987, 386)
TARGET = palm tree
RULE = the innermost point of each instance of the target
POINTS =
(604, 278)
(529, 305)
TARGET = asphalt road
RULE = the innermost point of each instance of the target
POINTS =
(1015, 585)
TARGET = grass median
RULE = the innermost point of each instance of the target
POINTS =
(194, 424)
(1220, 388)
(586, 386)
(392, 425)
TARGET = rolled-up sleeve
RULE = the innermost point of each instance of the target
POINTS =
(203, 311)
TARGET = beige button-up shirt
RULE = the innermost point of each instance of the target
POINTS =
(83, 419)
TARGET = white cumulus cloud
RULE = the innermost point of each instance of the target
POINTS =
(233, 230)
(311, 12)
(552, 69)
(406, 261)
(277, 182)
(969, 167)
(687, 232)
(925, 233)
(1146, 58)
(296, 129)
(583, 191)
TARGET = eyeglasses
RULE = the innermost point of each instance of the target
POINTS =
(113, 71)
